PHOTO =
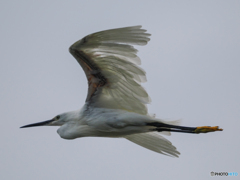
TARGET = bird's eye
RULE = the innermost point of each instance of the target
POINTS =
(58, 117)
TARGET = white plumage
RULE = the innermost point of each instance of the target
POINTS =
(116, 102)
(111, 54)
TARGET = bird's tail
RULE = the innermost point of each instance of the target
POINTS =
(154, 142)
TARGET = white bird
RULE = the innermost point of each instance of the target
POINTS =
(116, 102)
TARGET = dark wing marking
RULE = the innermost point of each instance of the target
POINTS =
(92, 71)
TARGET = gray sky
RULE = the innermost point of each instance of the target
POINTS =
(193, 69)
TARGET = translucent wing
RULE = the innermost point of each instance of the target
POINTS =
(154, 142)
(111, 66)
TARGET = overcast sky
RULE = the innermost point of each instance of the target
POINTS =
(193, 70)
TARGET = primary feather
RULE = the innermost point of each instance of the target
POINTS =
(110, 64)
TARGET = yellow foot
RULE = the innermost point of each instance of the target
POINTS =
(206, 129)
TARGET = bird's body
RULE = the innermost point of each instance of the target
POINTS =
(116, 102)
(103, 122)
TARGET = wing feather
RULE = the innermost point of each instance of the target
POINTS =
(154, 142)
(110, 63)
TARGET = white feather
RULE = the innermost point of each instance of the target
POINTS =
(117, 61)
(154, 142)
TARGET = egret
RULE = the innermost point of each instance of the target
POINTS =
(116, 102)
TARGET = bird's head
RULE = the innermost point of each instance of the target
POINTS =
(68, 122)
(58, 120)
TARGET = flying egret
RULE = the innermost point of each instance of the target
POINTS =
(116, 102)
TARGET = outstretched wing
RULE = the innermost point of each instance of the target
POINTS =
(110, 64)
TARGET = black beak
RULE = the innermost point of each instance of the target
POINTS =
(38, 124)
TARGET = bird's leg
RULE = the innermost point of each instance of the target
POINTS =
(195, 130)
